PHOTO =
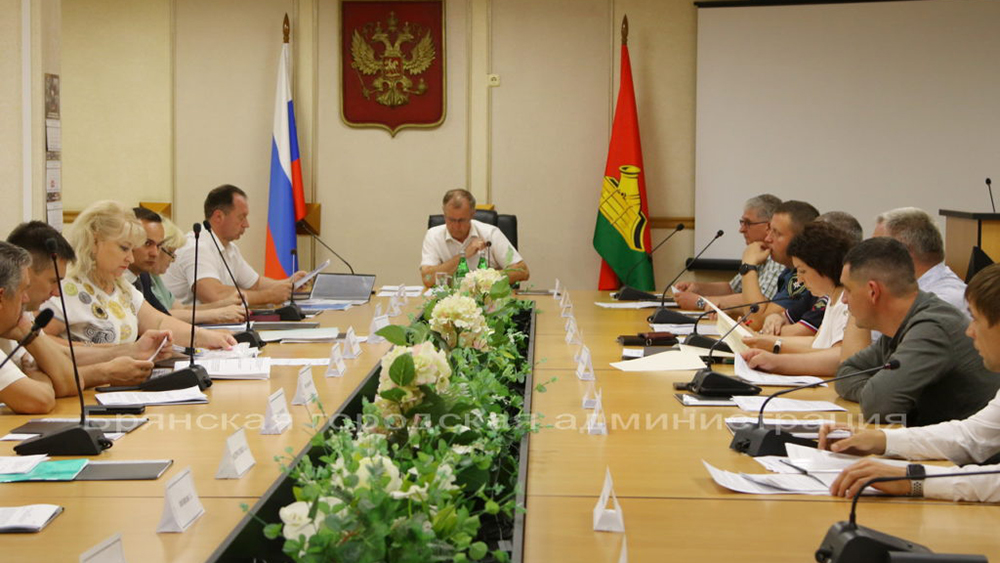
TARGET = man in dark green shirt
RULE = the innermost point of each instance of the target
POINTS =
(941, 376)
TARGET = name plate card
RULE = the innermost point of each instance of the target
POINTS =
(181, 505)
(394, 306)
(277, 419)
(237, 458)
(352, 347)
(596, 422)
(585, 365)
(558, 291)
(305, 388)
(573, 334)
(110, 550)
(337, 368)
(378, 323)
(608, 519)
(590, 398)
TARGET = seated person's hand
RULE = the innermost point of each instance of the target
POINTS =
(761, 360)
(150, 341)
(684, 286)
(755, 253)
(850, 480)
(298, 275)
(773, 323)
(20, 330)
(687, 301)
(475, 246)
(760, 341)
(231, 314)
(861, 442)
(123, 370)
(214, 339)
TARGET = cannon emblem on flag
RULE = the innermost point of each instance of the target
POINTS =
(620, 205)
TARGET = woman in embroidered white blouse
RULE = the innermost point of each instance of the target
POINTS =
(103, 308)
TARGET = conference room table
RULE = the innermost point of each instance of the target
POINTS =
(654, 449)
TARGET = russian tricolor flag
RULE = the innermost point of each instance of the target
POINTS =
(286, 202)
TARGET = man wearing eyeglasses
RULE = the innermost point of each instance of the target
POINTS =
(144, 257)
(757, 212)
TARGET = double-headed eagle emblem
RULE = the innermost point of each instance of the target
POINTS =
(392, 69)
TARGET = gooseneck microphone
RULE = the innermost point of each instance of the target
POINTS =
(291, 312)
(311, 232)
(74, 440)
(249, 335)
(41, 321)
(848, 542)
(758, 440)
(711, 383)
(722, 339)
(695, 339)
(664, 315)
(627, 293)
(989, 186)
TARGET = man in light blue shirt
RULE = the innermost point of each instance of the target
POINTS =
(916, 230)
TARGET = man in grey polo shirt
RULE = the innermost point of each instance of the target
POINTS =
(941, 377)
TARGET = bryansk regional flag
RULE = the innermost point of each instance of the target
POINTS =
(621, 236)
(286, 202)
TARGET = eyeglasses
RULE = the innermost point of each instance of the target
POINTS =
(744, 223)
(169, 253)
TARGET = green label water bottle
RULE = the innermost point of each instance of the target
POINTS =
(482, 263)
(463, 268)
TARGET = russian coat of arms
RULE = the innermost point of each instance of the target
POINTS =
(392, 65)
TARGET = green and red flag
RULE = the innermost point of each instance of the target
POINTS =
(621, 236)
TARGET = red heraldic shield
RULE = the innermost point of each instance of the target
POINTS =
(392, 64)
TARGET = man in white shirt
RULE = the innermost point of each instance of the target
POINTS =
(21, 393)
(970, 441)
(916, 229)
(226, 210)
(461, 235)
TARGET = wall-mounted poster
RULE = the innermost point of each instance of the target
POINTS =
(392, 64)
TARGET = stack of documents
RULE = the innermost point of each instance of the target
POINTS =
(633, 304)
(189, 396)
(232, 368)
(58, 470)
(673, 360)
(685, 329)
(300, 335)
(750, 375)
(30, 518)
(753, 404)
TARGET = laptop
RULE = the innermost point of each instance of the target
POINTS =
(343, 287)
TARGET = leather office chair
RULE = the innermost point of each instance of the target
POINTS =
(506, 223)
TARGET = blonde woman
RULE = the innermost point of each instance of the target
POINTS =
(102, 307)
(226, 311)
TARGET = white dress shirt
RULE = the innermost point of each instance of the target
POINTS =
(10, 372)
(960, 441)
(440, 246)
(941, 281)
(834, 322)
(180, 276)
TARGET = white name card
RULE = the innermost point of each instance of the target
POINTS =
(378, 310)
(110, 550)
(305, 388)
(590, 398)
(585, 365)
(608, 519)
(237, 458)
(573, 333)
(352, 348)
(567, 311)
(277, 419)
(564, 299)
(596, 422)
(558, 291)
(337, 368)
(378, 323)
(181, 505)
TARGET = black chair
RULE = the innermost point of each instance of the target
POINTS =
(506, 223)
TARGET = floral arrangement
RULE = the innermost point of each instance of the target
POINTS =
(430, 472)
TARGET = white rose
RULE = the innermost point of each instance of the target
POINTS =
(297, 523)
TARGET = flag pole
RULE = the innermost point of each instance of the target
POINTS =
(286, 28)
(624, 29)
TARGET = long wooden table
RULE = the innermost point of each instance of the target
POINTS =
(672, 509)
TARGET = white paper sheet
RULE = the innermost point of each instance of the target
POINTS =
(753, 404)
(757, 377)
(300, 361)
(685, 329)
(232, 368)
(189, 396)
(10, 464)
(311, 275)
(672, 360)
(300, 335)
(633, 304)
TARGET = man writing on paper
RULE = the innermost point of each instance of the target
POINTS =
(940, 377)
(226, 210)
(461, 235)
(973, 440)
(754, 226)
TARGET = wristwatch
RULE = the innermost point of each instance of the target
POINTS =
(918, 472)
(777, 346)
(700, 303)
(744, 268)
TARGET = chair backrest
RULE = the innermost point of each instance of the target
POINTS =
(506, 223)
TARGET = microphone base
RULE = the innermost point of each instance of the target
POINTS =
(714, 384)
(702, 341)
(845, 543)
(250, 337)
(627, 293)
(759, 441)
(666, 316)
(290, 312)
(75, 440)
(181, 379)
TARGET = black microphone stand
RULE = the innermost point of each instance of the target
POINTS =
(711, 383)
(666, 316)
(627, 293)
(309, 230)
(758, 440)
(291, 312)
(249, 335)
(74, 440)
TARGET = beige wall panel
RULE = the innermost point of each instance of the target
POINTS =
(10, 115)
(226, 60)
(377, 191)
(550, 130)
(116, 101)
